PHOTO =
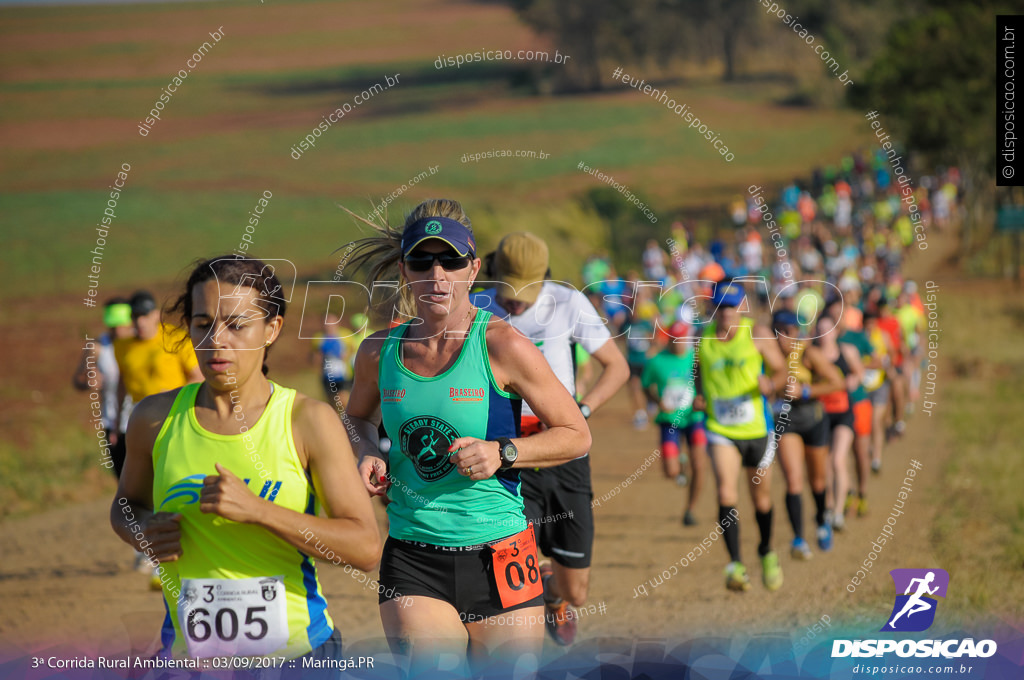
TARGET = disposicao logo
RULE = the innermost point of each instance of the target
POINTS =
(914, 611)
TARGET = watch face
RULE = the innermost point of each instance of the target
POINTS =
(510, 452)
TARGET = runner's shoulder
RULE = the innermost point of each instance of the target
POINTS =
(307, 411)
(154, 409)
(504, 341)
(369, 348)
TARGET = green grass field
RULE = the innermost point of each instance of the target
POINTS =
(82, 78)
(981, 524)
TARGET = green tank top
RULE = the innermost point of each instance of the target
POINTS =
(430, 501)
(729, 372)
(240, 589)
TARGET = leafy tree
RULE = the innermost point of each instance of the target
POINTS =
(934, 84)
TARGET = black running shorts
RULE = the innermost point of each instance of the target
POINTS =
(462, 577)
(558, 502)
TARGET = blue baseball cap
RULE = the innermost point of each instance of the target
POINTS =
(727, 294)
(785, 318)
(452, 232)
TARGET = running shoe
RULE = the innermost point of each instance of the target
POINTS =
(559, 618)
(876, 466)
(688, 519)
(681, 479)
(839, 522)
(899, 428)
(640, 420)
(862, 507)
(771, 572)
(850, 499)
(800, 550)
(825, 537)
(560, 621)
(736, 577)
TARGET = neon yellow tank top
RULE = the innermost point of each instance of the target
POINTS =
(874, 377)
(240, 589)
(795, 365)
(729, 373)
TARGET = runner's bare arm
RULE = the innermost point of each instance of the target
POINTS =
(364, 413)
(349, 531)
(80, 380)
(831, 379)
(614, 374)
(856, 367)
(122, 392)
(520, 368)
(156, 534)
(774, 361)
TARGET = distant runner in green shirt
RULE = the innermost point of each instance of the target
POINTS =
(669, 381)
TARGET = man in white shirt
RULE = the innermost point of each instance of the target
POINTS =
(558, 499)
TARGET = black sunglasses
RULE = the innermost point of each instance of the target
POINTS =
(450, 261)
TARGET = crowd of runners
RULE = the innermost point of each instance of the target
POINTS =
(792, 335)
(466, 415)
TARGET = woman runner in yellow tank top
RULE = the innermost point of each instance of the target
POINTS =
(224, 480)
(733, 355)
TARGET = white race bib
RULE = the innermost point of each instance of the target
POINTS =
(233, 617)
(872, 379)
(677, 396)
(335, 369)
(736, 411)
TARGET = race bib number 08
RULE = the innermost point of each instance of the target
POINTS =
(516, 569)
(736, 411)
(233, 617)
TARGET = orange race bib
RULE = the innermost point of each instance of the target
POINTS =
(836, 402)
(516, 570)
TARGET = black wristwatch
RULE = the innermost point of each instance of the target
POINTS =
(585, 410)
(508, 452)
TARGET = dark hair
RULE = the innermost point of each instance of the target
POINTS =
(231, 269)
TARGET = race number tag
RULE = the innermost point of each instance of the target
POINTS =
(233, 617)
(516, 570)
(872, 379)
(678, 396)
(735, 411)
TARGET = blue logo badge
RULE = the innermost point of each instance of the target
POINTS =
(914, 610)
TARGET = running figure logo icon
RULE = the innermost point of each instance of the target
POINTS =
(425, 440)
(433, 227)
(914, 610)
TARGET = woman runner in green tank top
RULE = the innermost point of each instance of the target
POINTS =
(224, 479)
(460, 564)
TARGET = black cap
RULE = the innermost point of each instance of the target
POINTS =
(142, 303)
